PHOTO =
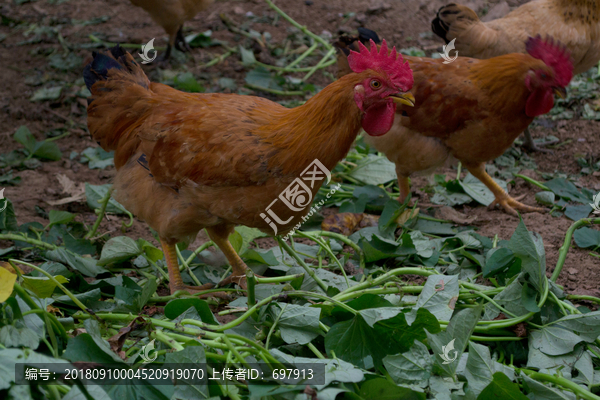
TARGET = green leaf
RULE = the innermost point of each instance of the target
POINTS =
(93, 193)
(119, 249)
(443, 196)
(460, 328)
(509, 298)
(260, 76)
(60, 217)
(498, 260)
(480, 368)
(8, 219)
(11, 336)
(188, 83)
(50, 93)
(387, 221)
(357, 342)
(374, 170)
(382, 389)
(478, 191)
(577, 212)
(439, 292)
(247, 57)
(529, 247)
(565, 189)
(587, 238)
(87, 266)
(528, 298)
(561, 336)
(26, 138)
(298, 324)
(502, 388)
(97, 157)
(543, 392)
(243, 236)
(188, 389)
(47, 151)
(175, 308)
(202, 39)
(90, 346)
(42, 286)
(412, 367)
(545, 198)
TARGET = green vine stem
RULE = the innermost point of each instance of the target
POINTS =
(564, 249)
(57, 283)
(22, 238)
(560, 381)
(343, 239)
(275, 91)
(41, 313)
(533, 182)
(309, 271)
(303, 29)
(103, 204)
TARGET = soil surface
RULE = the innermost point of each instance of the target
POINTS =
(24, 68)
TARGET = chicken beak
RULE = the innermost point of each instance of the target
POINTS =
(404, 98)
(561, 92)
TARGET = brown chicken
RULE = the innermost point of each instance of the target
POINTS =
(191, 161)
(471, 109)
(574, 23)
(171, 15)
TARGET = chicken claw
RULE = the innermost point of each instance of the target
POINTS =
(502, 198)
(511, 204)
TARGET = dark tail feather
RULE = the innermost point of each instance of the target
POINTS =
(365, 35)
(114, 58)
(346, 43)
(439, 27)
(98, 68)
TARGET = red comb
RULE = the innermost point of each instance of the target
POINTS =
(554, 55)
(385, 61)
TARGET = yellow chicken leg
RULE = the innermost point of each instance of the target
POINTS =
(220, 235)
(175, 281)
(403, 185)
(509, 204)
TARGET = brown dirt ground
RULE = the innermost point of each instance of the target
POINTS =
(404, 23)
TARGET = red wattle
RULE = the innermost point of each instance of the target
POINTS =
(540, 102)
(378, 119)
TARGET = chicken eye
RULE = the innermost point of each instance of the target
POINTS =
(544, 76)
(375, 84)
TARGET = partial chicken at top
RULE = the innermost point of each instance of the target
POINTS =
(574, 23)
(471, 109)
(171, 15)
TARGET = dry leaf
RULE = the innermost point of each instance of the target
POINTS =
(347, 223)
(7, 266)
(450, 214)
(407, 215)
(76, 191)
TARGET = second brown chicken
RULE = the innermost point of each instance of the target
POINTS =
(471, 109)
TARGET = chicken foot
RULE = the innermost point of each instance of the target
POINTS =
(509, 204)
(530, 145)
(219, 236)
(175, 281)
